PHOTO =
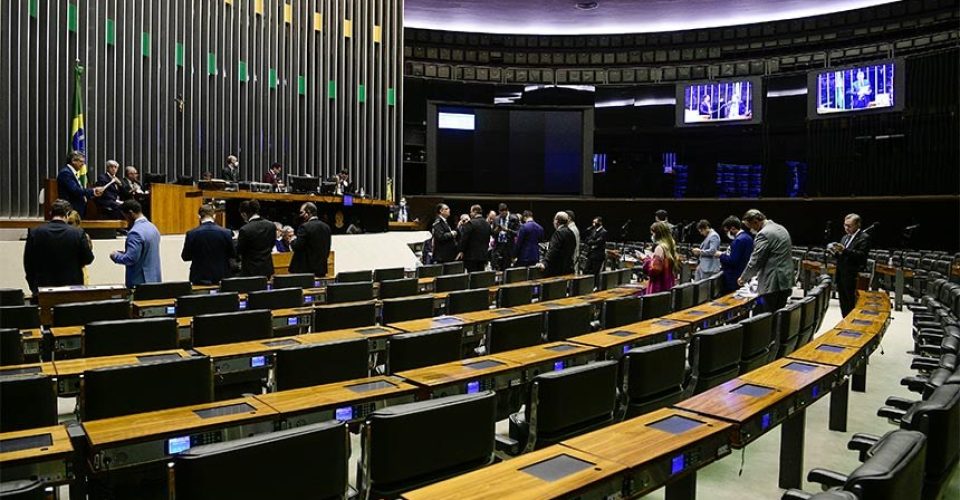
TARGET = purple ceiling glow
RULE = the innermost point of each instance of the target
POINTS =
(562, 17)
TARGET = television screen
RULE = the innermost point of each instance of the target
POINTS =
(855, 89)
(732, 101)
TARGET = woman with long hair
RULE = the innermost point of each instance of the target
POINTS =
(74, 219)
(661, 265)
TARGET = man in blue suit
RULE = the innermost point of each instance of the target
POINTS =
(210, 247)
(735, 260)
(69, 187)
(142, 252)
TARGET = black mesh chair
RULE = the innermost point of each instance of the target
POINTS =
(562, 404)
(354, 276)
(703, 291)
(389, 273)
(278, 298)
(514, 295)
(243, 284)
(399, 288)
(553, 290)
(453, 267)
(808, 319)
(566, 322)
(451, 282)
(298, 280)
(683, 296)
(29, 401)
(11, 297)
(714, 357)
(110, 338)
(468, 300)
(337, 293)
(343, 316)
(21, 317)
(430, 271)
(506, 334)
(655, 305)
(620, 311)
(483, 279)
(81, 313)
(653, 376)
(787, 323)
(408, 351)
(317, 364)
(194, 305)
(759, 343)
(515, 275)
(163, 290)
(406, 309)
(581, 285)
(11, 347)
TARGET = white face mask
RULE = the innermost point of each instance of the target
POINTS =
(732, 236)
(653, 238)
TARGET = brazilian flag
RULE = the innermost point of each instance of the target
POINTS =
(78, 141)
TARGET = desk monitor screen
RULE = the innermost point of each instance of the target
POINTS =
(25, 443)
(447, 320)
(862, 322)
(178, 445)
(481, 365)
(371, 386)
(304, 184)
(222, 411)
(871, 313)
(800, 367)
(675, 424)
(677, 464)
(850, 333)
(293, 321)
(503, 311)
(756, 391)
(562, 348)
(171, 310)
(281, 343)
(556, 468)
(150, 358)
(473, 387)
(373, 329)
(620, 333)
(557, 366)
(344, 414)
(347, 200)
(258, 361)
(830, 348)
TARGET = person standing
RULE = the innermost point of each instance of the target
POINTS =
(444, 237)
(596, 242)
(708, 252)
(528, 241)
(141, 254)
(572, 225)
(209, 248)
(109, 202)
(735, 259)
(505, 230)
(401, 213)
(771, 261)
(69, 187)
(231, 170)
(661, 265)
(55, 252)
(851, 255)
(311, 249)
(474, 241)
(255, 241)
(561, 249)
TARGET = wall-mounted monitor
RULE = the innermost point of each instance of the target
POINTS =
(734, 101)
(873, 87)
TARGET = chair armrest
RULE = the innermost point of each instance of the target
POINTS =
(922, 363)
(827, 478)
(796, 495)
(914, 384)
(890, 413)
(862, 443)
(900, 403)
(507, 445)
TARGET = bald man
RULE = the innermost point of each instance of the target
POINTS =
(851, 255)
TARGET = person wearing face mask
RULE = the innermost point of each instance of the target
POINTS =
(561, 249)
(400, 212)
(771, 261)
(735, 259)
(661, 265)
(312, 246)
(255, 241)
(596, 242)
(231, 170)
(708, 251)
(444, 237)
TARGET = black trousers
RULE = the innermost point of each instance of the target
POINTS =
(773, 301)
(847, 291)
(472, 266)
(594, 267)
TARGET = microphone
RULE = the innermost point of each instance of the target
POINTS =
(626, 225)
(911, 228)
(871, 227)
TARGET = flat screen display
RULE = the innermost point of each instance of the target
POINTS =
(856, 89)
(721, 102)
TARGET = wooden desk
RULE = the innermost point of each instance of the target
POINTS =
(598, 478)
(45, 368)
(97, 229)
(403, 226)
(44, 454)
(419, 325)
(900, 276)
(485, 373)
(348, 401)
(67, 340)
(47, 297)
(545, 358)
(69, 371)
(614, 342)
(655, 452)
(376, 335)
(712, 312)
(151, 437)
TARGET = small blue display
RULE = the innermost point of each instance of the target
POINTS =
(557, 366)
(243, 304)
(308, 299)
(171, 310)
(669, 337)
(344, 414)
(178, 445)
(347, 200)
(677, 464)
(213, 292)
(473, 387)
(258, 361)
(626, 348)
(292, 321)
(815, 392)
(765, 421)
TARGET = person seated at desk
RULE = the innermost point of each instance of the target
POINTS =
(255, 241)
(109, 202)
(342, 179)
(130, 187)
(141, 254)
(209, 247)
(70, 187)
(274, 176)
(311, 248)
(400, 212)
(55, 252)
(285, 241)
(231, 170)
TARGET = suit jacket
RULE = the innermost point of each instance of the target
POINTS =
(734, 263)
(560, 252)
(505, 230)
(255, 242)
(270, 178)
(396, 210)
(444, 243)
(129, 189)
(771, 260)
(230, 173)
(528, 243)
(854, 257)
(109, 201)
(709, 250)
(475, 239)
(311, 248)
(210, 248)
(69, 188)
(141, 254)
(596, 243)
(55, 254)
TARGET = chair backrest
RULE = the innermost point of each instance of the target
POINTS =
(227, 328)
(316, 455)
(278, 298)
(514, 295)
(298, 280)
(25, 489)
(683, 296)
(621, 311)
(163, 290)
(609, 279)
(430, 271)
(354, 276)
(938, 418)
(759, 343)
(110, 338)
(243, 284)
(468, 300)
(342, 316)
(389, 273)
(895, 469)
(655, 305)
(653, 376)
(455, 267)
(349, 292)
(716, 285)
(626, 276)
(21, 317)
(553, 290)
(564, 403)
(787, 323)
(194, 305)
(514, 275)
(506, 334)
(808, 319)
(461, 433)
(703, 291)
(81, 313)
(11, 347)
(406, 309)
(403, 287)
(317, 364)
(11, 297)
(416, 350)
(29, 401)
(714, 356)
(581, 285)
(534, 273)
(566, 322)
(483, 279)
(451, 282)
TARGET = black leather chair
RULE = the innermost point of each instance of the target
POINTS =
(194, 305)
(468, 300)
(581, 285)
(714, 357)
(787, 323)
(562, 404)
(11, 297)
(703, 291)
(390, 273)
(25, 489)
(227, 328)
(514, 295)
(110, 338)
(298, 280)
(21, 317)
(81, 313)
(278, 298)
(506, 334)
(317, 364)
(808, 319)
(684, 296)
(653, 376)
(405, 287)
(11, 347)
(451, 282)
(430, 271)
(609, 279)
(759, 343)
(483, 279)
(337, 293)
(342, 316)
(655, 305)
(553, 290)
(29, 401)
(354, 276)
(163, 290)
(514, 275)
(534, 273)
(620, 311)
(569, 321)
(406, 308)
(408, 351)
(455, 267)
(243, 284)
(411, 445)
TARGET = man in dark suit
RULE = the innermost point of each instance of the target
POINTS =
(528, 241)
(474, 241)
(109, 202)
(851, 255)
(56, 252)
(561, 249)
(255, 241)
(312, 246)
(505, 232)
(231, 169)
(444, 237)
(596, 243)
(69, 187)
(734, 261)
(210, 248)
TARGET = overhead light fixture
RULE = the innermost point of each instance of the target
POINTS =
(587, 5)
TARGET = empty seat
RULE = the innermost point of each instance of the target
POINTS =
(163, 290)
(11, 347)
(354, 276)
(21, 317)
(655, 305)
(453, 267)
(564, 403)
(714, 357)
(109, 338)
(399, 288)
(278, 298)
(194, 305)
(349, 292)
(483, 279)
(468, 300)
(243, 284)
(808, 319)
(343, 316)
(81, 313)
(653, 376)
(298, 280)
(566, 322)
(460, 432)
(703, 291)
(316, 364)
(514, 275)
(408, 351)
(620, 311)
(759, 343)
(609, 280)
(514, 295)
(534, 273)
(581, 285)
(506, 334)
(553, 290)
(430, 271)
(451, 282)
(406, 309)
(683, 296)
(227, 328)
(787, 323)
(28, 401)
(11, 297)
(389, 273)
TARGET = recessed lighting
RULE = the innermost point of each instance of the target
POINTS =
(587, 5)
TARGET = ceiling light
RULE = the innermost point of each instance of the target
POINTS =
(587, 5)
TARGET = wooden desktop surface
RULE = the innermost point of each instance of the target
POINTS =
(60, 332)
(810, 353)
(455, 371)
(367, 332)
(338, 393)
(46, 368)
(643, 329)
(85, 224)
(507, 480)
(68, 367)
(58, 434)
(710, 309)
(31, 334)
(542, 353)
(419, 325)
(836, 337)
(250, 195)
(719, 402)
(777, 375)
